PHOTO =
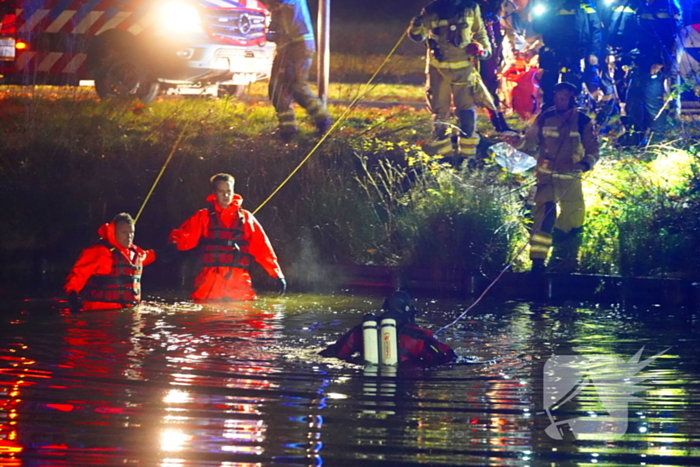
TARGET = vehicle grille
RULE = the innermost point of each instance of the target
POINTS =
(238, 25)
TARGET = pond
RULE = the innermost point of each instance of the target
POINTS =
(174, 384)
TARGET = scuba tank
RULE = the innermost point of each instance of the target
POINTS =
(370, 339)
(389, 351)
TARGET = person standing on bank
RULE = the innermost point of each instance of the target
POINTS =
(291, 30)
(571, 33)
(107, 276)
(230, 238)
(654, 73)
(456, 39)
(568, 146)
(492, 12)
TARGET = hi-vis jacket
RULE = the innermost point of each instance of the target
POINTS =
(449, 29)
(621, 25)
(291, 24)
(570, 27)
(564, 139)
(107, 275)
(659, 25)
(229, 239)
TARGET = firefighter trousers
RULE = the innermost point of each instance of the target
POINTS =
(463, 88)
(645, 99)
(562, 192)
(289, 83)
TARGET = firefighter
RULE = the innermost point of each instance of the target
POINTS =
(568, 146)
(291, 30)
(416, 346)
(620, 34)
(571, 34)
(107, 275)
(230, 239)
(492, 14)
(655, 69)
(456, 40)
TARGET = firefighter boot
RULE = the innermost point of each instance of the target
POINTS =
(468, 138)
(287, 126)
(565, 251)
(441, 144)
(322, 126)
(498, 120)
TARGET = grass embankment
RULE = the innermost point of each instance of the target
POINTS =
(369, 195)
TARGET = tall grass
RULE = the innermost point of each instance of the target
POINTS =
(368, 196)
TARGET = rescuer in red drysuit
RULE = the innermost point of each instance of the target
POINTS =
(417, 346)
(107, 275)
(230, 238)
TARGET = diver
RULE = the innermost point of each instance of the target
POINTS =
(416, 346)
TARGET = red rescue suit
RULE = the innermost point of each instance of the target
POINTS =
(417, 346)
(107, 276)
(228, 239)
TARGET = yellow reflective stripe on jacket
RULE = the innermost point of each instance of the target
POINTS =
(624, 9)
(550, 131)
(450, 65)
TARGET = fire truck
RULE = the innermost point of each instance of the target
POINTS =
(132, 48)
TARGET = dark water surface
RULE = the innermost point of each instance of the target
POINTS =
(174, 385)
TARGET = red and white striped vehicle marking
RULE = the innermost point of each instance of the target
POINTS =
(86, 17)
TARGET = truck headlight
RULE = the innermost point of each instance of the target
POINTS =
(179, 17)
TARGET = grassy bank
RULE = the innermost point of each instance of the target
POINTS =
(369, 195)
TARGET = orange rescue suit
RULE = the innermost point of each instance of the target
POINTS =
(228, 238)
(108, 271)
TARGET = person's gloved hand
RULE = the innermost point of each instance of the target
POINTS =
(74, 302)
(475, 49)
(281, 285)
(581, 167)
(176, 236)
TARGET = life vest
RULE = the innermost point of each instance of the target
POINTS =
(122, 284)
(225, 246)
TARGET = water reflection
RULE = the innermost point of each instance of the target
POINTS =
(182, 385)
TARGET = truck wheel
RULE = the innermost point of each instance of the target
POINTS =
(125, 79)
(234, 90)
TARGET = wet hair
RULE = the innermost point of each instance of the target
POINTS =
(124, 217)
(222, 177)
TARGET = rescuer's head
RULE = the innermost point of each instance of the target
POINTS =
(565, 96)
(222, 187)
(399, 303)
(124, 228)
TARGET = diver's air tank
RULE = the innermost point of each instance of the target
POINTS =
(370, 339)
(388, 341)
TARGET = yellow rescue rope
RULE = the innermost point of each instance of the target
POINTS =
(336, 124)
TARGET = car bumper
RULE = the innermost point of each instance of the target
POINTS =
(214, 63)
